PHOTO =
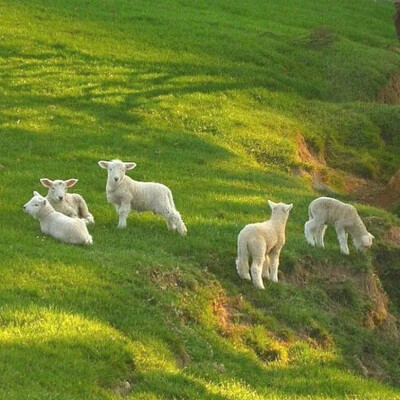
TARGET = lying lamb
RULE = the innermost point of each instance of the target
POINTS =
(263, 242)
(326, 211)
(56, 224)
(127, 194)
(70, 204)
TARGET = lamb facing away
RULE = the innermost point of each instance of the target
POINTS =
(71, 204)
(326, 211)
(56, 224)
(127, 194)
(263, 242)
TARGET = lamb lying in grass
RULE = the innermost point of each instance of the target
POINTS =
(70, 204)
(56, 224)
(326, 211)
(263, 242)
(127, 194)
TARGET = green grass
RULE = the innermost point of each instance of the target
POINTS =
(206, 97)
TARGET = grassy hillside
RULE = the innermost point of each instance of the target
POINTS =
(210, 98)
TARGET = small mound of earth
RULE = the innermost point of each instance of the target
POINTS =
(390, 94)
(305, 155)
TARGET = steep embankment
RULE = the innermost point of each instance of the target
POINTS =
(228, 104)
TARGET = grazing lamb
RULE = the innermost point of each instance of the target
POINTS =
(326, 211)
(71, 204)
(263, 242)
(56, 224)
(127, 194)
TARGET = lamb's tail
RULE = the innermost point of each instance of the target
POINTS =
(242, 260)
(310, 213)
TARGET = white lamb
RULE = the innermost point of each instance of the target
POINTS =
(56, 224)
(127, 194)
(263, 242)
(71, 204)
(326, 211)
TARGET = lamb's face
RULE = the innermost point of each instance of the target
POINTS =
(116, 170)
(58, 188)
(364, 243)
(35, 204)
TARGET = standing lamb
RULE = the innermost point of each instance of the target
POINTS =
(326, 211)
(71, 204)
(56, 224)
(263, 242)
(127, 194)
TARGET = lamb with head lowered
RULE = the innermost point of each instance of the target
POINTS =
(126, 194)
(53, 223)
(70, 204)
(325, 211)
(263, 242)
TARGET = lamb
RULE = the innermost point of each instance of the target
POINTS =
(126, 194)
(71, 204)
(263, 242)
(56, 224)
(325, 211)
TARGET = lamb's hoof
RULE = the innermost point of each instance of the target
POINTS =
(119, 226)
(310, 242)
(245, 276)
(259, 285)
(345, 252)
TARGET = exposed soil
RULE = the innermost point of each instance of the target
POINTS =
(345, 286)
(305, 155)
(363, 190)
(390, 94)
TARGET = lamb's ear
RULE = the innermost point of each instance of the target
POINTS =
(35, 193)
(71, 182)
(271, 204)
(46, 182)
(129, 165)
(288, 207)
(103, 164)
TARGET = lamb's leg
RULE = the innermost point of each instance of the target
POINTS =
(256, 271)
(309, 229)
(84, 212)
(319, 235)
(174, 220)
(180, 225)
(342, 237)
(266, 272)
(242, 267)
(123, 211)
(274, 263)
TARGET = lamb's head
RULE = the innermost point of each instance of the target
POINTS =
(364, 242)
(280, 210)
(35, 204)
(57, 188)
(116, 170)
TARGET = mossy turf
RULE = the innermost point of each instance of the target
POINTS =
(207, 97)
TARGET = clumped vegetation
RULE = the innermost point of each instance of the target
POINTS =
(213, 99)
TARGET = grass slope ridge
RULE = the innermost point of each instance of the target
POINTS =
(209, 98)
